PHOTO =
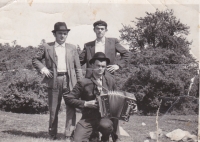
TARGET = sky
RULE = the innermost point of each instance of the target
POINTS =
(29, 21)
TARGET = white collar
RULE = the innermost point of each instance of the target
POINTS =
(59, 45)
(102, 40)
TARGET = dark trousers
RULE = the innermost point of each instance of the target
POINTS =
(85, 127)
(54, 100)
(115, 126)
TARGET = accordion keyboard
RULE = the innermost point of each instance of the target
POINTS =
(116, 105)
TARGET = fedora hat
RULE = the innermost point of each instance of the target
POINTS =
(60, 26)
(100, 56)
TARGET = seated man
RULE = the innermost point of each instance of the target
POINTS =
(84, 96)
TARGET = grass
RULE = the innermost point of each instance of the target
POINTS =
(34, 128)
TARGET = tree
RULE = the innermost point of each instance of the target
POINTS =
(159, 29)
(163, 67)
(42, 41)
(14, 43)
(78, 49)
(7, 45)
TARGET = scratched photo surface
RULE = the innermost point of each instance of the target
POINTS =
(162, 73)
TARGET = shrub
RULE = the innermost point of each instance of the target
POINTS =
(150, 84)
(22, 92)
(185, 105)
(18, 57)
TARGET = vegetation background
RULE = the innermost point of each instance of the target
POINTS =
(160, 68)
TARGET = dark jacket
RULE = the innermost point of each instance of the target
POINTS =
(85, 90)
(112, 46)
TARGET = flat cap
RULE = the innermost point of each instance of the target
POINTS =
(100, 23)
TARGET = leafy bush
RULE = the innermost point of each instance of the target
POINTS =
(161, 66)
(18, 57)
(21, 89)
(185, 106)
(22, 92)
(152, 82)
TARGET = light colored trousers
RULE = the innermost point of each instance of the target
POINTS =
(54, 101)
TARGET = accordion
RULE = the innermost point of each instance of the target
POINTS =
(119, 105)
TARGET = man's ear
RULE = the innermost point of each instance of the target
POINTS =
(92, 64)
(54, 34)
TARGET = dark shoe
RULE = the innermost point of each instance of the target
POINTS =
(94, 140)
(104, 139)
(115, 137)
(94, 137)
(117, 140)
(53, 137)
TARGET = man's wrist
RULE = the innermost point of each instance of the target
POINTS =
(43, 69)
(85, 104)
(118, 66)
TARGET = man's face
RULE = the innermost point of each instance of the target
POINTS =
(61, 36)
(100, 31)
(99, 67)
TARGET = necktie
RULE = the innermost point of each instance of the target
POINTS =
(99, 81)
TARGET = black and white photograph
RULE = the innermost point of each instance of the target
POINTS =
(99, 71)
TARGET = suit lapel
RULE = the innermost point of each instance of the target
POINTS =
(52, 53)
(67, 52)
(107, 47)
(104, 84)
(95, 89)
(92, 48)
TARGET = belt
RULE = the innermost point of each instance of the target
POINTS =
(61, 73)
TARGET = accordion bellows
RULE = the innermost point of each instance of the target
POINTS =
(116, 105)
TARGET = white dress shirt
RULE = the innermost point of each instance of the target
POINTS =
(60, 52)
(100, 45)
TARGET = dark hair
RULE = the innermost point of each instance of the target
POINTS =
(100, 23)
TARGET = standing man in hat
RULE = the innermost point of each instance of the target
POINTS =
(109, 46)
(84, 96)
(62, 71)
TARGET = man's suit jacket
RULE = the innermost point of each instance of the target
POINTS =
(112, 46)
(86, 90)
(47, 52)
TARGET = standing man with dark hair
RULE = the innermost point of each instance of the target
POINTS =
(84, 96)
(109, 46)
(62, 70)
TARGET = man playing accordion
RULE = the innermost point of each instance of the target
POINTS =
(84, 95)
